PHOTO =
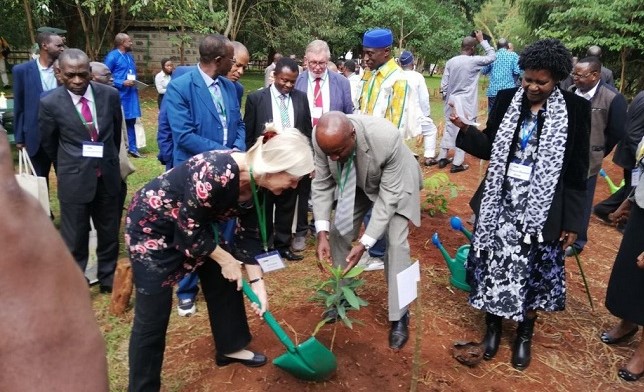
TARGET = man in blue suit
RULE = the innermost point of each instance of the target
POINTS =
(30, 81)
(326, 91)
(203, 113)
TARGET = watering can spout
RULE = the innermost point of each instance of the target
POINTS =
(457, 224)
(437, 242)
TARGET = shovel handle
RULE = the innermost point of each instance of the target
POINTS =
(270, 320)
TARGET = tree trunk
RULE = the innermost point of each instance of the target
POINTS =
(122, 287)
(30, 23)
(623, 56)
(81, 15)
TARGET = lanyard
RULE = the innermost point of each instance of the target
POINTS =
(525, 134)
(261, 212)
(370, 88)
(346, 170)
(220, 104)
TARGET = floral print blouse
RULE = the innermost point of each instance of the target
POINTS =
(171, 221)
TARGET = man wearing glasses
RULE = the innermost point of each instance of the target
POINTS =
(608, 113)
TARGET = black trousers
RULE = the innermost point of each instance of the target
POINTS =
(151, 315)
(284, 206)
(75, 228)
(609, 205)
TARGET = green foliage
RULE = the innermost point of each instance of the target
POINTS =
(338, 293)
(499, 19)
(439, 190)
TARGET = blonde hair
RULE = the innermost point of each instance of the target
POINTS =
(288, 151)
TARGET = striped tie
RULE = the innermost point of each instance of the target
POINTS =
(346, 200)
(284, 112)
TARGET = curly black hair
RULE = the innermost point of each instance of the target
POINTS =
(549, 54)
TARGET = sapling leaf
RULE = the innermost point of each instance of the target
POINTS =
(331, 299)
(362, 302)
(342, 311)
(348, 322)
(351, 298)
(355, 271)
(321, 324)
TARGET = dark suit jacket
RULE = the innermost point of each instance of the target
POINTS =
(194, 120)
(566, 211)
(27, 89)
(339, 91)
(259, 111)
(626, 149)
(63, 134)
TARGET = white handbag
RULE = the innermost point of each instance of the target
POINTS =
(140, 133)
(30, 182)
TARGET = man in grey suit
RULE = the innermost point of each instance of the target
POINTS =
(365, 159)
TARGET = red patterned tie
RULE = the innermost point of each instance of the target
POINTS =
(89, 123)
(87, 115)
(317, 96)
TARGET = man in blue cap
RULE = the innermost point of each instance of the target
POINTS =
(417, 83)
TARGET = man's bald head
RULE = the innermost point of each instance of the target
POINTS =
(469, 45)
(336, 136)
(100, 73)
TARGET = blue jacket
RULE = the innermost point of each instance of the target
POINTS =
(193, 118)
(121, 64)
(27, 90)
(164, 133)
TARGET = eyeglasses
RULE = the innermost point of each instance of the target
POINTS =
(317, 63)
(578, 76)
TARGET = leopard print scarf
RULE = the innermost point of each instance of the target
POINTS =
(545, 171)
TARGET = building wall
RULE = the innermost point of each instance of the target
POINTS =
(149, 47)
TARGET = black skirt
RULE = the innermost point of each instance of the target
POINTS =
(625, 292)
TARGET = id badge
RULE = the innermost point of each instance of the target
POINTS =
(93, 149)
(519, 171)
(131, 76)
(635, 176)
(270, 261)
(316, 112)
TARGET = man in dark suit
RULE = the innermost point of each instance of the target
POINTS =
(203, 114)
(80, 123)
(30, 80)
(286, 107)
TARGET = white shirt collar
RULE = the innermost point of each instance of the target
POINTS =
(590, 93)
(88, 95)
(206, 78)
(323, 76)
(275, 92)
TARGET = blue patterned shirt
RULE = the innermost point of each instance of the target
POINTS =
(503, 72)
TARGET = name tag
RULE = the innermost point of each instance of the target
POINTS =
(316, 112)
(635, 176)
(93, 149)
(519, 171)
(131, 77)
(270, 261)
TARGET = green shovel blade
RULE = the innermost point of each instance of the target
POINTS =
(310, 361)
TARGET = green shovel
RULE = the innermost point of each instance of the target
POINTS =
(308, 361)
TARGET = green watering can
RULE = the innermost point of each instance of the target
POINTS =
(456, 265)
(308, 361)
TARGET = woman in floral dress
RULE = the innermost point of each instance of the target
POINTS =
(170, 231)
(529, 206)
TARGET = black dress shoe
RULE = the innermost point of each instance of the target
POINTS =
(289, 255)
(399, 333)
(626, 375)
(256, 361)
(444, 162)
(135, 154)
(430, 162)
(606, 338)
(459, 168)
(105, 289)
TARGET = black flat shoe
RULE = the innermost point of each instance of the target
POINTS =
(257, 360)
(606, 338)
(135, 154)
(289, 255)
(399, 333)
(105, 289)
(628, 376)
(459, 168)
(444, 162)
